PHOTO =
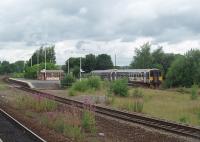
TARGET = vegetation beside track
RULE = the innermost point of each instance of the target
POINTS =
(68, 121)
(172, 104)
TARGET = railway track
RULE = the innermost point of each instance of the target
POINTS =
(169, 126)
(12, 130)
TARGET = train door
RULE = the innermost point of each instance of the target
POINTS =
(113, 74)
(145, 79)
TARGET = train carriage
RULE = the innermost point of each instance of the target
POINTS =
(141, 76)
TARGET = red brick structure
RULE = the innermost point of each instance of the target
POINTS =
(51, 74)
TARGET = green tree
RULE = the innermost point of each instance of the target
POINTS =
(90, 63)
(19, 66)
(31, 72)
(103, 62)
(143, 58)
(39, 55)
(185, 70)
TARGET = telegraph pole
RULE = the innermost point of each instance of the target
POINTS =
(68, 66)
(38, 64)
(80, 68)
(115, 61)
(45, 62)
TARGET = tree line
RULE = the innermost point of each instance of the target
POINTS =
(177, 70)
(88, 63)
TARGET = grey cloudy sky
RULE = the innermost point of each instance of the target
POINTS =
(78, 27)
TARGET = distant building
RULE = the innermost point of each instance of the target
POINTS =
(50, 74)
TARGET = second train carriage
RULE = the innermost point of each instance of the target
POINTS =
(141, 76)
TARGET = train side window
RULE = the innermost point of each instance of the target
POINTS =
(147, 75)
(151, 73)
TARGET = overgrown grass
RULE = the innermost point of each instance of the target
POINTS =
(71, 123)
(194, 92)
(35, 103)
(3, 87)
(171, 105)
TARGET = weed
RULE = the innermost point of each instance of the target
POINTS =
(74, 132)
(36, 103)
(138, 105)
(109, 97)
(137, 93)
(88, 121)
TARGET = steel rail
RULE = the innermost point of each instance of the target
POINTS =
(19, 125)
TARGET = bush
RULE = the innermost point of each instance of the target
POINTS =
(194, 92)
(120, 87)
(137, 93)
(80, 86)
(17, 75)
(138, 105)
(94, 82)
(68, 80)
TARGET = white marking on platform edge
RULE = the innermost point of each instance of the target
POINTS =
(1, 140)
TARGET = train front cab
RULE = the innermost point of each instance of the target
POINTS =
(155, 77)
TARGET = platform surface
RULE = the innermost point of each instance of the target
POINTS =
(41, 84)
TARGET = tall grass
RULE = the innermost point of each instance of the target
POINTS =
(138, 100)
(36, 103)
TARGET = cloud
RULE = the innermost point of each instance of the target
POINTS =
(97, 26)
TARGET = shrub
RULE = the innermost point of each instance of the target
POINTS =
(194, 92)
(80, 86)
(138, 100)
(138, 105)
(137, 93)
(68, 80)
(120, 87)
(17, 75)
(94, 82)
(88, 121)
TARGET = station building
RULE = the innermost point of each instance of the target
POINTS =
(51, 75)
